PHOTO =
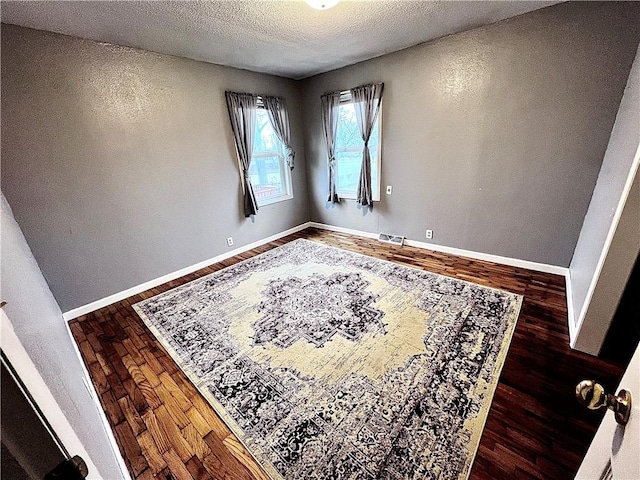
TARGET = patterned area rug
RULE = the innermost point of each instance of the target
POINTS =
(333, 365)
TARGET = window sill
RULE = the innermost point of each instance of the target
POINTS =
(271, 201)
(353, 196)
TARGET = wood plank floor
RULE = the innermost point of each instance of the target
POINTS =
(166, 430)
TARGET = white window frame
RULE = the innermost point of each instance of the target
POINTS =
(345, 97)
(285, 171)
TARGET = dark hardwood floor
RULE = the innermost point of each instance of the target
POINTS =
(535, 428)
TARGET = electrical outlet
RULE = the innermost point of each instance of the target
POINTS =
(389, 189)
(230, 241)
(429, 234)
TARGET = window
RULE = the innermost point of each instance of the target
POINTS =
(348, 151)
(269, 173)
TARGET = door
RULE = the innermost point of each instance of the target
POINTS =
(35, 433)
(615, 450)
(29, 450)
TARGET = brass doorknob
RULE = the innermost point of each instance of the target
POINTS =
(592, 395)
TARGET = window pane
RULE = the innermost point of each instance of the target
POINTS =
(348, 170)
(266, 177)
(349, 145)
(374, 143)
(348, 135)
(266, 139)
(267, 172)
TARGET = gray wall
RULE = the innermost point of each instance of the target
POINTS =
(616, 167)
(617, 267)
(38, 323)
(119, 164)
(618, 159)
(493, 137)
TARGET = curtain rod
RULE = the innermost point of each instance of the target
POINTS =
(343, 93)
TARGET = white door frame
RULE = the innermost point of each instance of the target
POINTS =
(29, 375)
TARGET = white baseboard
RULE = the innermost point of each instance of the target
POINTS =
(487, 257)
(514, 262)
(36, 386)
(350, 231)
(103, 416)
(615, 221)
(116, 297)
(571, 314)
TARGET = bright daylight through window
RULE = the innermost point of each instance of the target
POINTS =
(269, 173)
(348, 152)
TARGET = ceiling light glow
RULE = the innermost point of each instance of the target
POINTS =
(322, 4)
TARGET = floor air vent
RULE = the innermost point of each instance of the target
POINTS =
(392, 239)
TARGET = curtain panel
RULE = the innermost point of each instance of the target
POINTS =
(366, 100)
(242, 115)
(279, 117)
(330, 104)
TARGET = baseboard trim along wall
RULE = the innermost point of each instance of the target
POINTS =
(513, 262)
(577, 322)
(103, 416)
(487, 257)
(571, 313)
(116, 297)
(37, 387)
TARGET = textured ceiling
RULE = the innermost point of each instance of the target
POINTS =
(286, 38)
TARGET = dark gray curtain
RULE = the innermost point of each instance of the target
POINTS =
(366, 100)
(242, 114)
(330, 105)
(279, 117)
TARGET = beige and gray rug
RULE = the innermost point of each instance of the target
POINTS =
(333, 365)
